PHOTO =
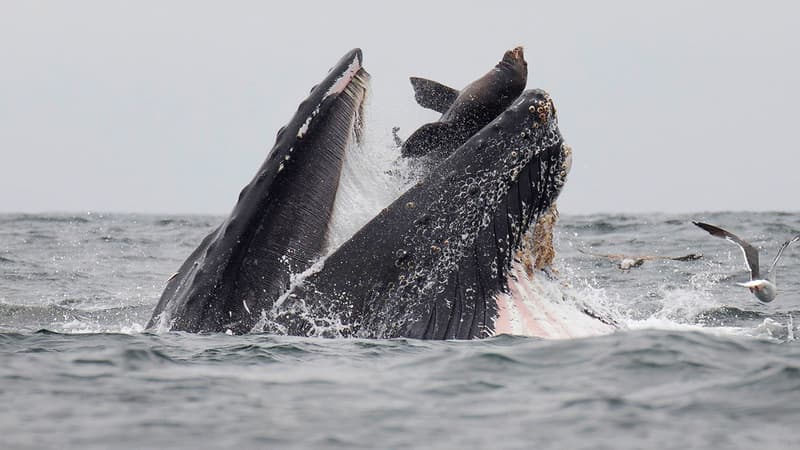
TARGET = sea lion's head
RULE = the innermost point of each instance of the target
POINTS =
(515, 59)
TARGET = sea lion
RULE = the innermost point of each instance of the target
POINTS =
(465, 112)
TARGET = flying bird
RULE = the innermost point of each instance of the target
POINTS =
(762, 287)
(627, 262)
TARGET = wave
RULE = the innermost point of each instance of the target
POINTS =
(68, 319)
(44, 218)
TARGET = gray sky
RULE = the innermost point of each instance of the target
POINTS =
(170, 107)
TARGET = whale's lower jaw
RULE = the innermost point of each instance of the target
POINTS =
(279, 225)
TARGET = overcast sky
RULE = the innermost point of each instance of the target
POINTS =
(170, 107)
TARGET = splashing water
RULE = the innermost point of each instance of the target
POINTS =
(372, 177)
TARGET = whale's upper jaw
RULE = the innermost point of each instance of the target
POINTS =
(518, 164)
(521, 187)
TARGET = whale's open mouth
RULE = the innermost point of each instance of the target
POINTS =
(433, 264)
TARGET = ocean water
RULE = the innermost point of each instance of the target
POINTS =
(697, 362)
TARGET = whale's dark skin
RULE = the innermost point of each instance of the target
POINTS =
(430, 265)
(278, 226)
(465, 112)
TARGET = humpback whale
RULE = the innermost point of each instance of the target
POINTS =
(278, 226)
(465, 112)
(435, 263)
(452, 257)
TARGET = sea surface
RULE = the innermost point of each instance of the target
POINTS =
(697, 361)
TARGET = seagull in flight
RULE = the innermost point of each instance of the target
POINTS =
(763, 288)
(627, 262)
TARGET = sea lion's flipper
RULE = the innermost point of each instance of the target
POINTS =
(436, 137)
(432, 95)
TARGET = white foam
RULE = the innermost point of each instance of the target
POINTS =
(681, 309)
(81, 327)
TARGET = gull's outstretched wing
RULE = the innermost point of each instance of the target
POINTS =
(750, 252)
(780, 252)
